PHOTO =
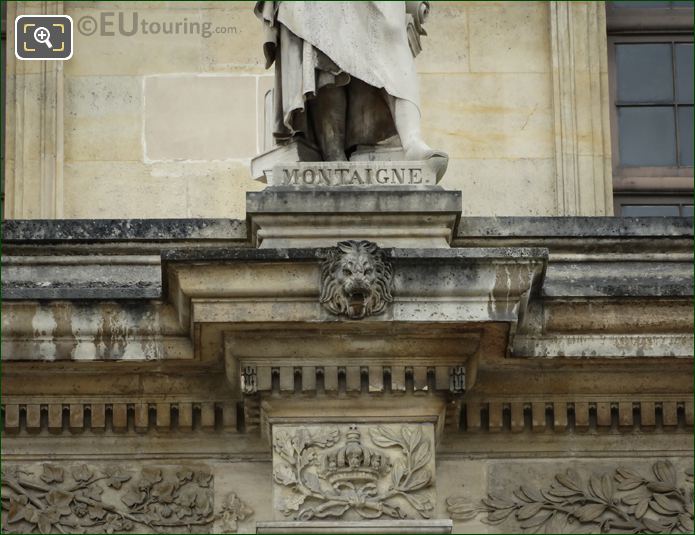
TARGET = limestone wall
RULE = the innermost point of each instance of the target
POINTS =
(161, 125)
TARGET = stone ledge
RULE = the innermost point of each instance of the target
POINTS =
(416, 217)
(108, 230)
(349, 199)
(317, 254)
(379, 526)
(473, 230)
(82, 277)
(574, 227)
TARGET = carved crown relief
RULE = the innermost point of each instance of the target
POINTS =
(356, 280)
(353, 472)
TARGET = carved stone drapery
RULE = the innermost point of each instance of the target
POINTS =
(84, 499)
(620, 501)
(353, 472)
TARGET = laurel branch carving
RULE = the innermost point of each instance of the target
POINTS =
(348, 476)
(622, 501)
(74, 500)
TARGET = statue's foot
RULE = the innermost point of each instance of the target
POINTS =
(419, 150)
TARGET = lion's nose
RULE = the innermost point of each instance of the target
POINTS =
(360, 281)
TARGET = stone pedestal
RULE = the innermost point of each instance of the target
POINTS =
(405, 216)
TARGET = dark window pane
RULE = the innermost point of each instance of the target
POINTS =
(684, 72)
(687, 210)
(685, 134)
(647, 136)
(645, 72)
(683, 3)
(649, 210)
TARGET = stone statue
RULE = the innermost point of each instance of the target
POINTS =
(345, 76)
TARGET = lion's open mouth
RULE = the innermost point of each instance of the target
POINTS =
(356, 300)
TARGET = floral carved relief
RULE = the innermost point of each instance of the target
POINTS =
(115, 499)
(620, 501)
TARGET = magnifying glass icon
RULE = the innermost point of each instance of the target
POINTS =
(42, 35)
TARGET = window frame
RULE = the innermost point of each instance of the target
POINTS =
(650, 198)
(670, 179)
(632, 20)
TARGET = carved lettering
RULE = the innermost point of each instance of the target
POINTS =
(290, 177)
(382, 176)
(325, 176)
(306, 176)
(415, 175)
(352, 174)
(400, 177)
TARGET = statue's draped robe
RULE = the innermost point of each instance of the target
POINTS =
(361, 45)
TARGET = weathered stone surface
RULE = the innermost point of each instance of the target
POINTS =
(81, 277)
(379, 526)
(557, 233)
(574, 227)
(77, 330)
(354, 200)
(607, 278)
(137, 230)
(403, 217)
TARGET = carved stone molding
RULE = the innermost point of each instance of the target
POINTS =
(82, 498)
(564, 414)
(99, 416)
(352, 472)
(34, 126)
(580, 101)
(356, 280)
(618, 501)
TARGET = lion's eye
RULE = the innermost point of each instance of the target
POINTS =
(347, 272)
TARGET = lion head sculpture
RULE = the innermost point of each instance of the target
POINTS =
(356, 280)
